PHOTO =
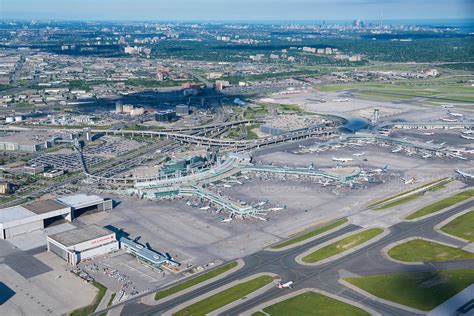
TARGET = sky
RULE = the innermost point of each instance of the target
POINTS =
(235, 10)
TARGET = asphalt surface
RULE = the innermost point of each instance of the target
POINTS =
(366, 261)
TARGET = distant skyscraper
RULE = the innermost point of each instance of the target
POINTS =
(118, 106)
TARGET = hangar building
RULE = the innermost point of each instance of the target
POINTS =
(26, 218)
(82, 243)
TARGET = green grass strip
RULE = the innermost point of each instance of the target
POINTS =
(201, 278)
(420, 250)
(342, 245)
(377, 203)
(442, 204)
(312, 303)
(400, 201)
(420, 290)
(462, 226)
(225, 297)
(311, 234)
(89, 309)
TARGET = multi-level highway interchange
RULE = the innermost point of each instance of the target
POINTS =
(325, 194)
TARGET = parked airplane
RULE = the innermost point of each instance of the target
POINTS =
(274, 209)
(428, 134)
(227, 186)
(383, 169)
(286, 285)
(358, 154)
(324, 184)
(467, 137)
(396, 150)
(425, 156)
(448, 120)
(341, 100)
(455, 114)
(430, 141)
(447, 106)
(342, 159)
(465, 174)
(227, 219)
(205, 208)
(468, 132)
(409, 181)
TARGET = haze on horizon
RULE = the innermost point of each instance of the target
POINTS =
(242, 10)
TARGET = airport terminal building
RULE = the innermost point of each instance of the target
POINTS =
(26, 218)
(82, 243)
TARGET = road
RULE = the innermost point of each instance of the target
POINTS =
(366, 261)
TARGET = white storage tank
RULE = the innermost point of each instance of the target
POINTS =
(18, 118)
(10, 119)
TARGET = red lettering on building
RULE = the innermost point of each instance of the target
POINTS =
(101, 240)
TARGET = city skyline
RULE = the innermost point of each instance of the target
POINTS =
(245, 10)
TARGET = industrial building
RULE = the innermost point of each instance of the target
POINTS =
(165, 116)
(23, 219)
(82, 243)
(82, 203)
(182, 109)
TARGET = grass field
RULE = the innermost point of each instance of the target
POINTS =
(310, 234)
(312, 303)
(378, 204)
(462, 226)
(442, 204)
(201, 278)
(400, 201)
(225, 297)
(419, 250)
(342, 245)
(420, 290)
(89, 309)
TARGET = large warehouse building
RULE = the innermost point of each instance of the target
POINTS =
(82, 243)
(22, 219)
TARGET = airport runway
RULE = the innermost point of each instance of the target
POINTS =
(366, 261)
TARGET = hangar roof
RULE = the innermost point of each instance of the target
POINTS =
(76, 236)
(14, 213)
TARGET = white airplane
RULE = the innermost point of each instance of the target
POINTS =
(455, 114)
(205, 208)
(425, 156)
(262, 203)
(409, 181)
(396, 150)
(227, 219)
(341, 100)
(448, 120)
(442, 144)
(358, 154)
(342, 159)
(467, 137)
(274, 209)
(447, 106)
(324, 184)
(468, 132)
(380, 170)
(465, 174)
(286, 285)
(429, 142)
(428, 134)
(227, 186)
